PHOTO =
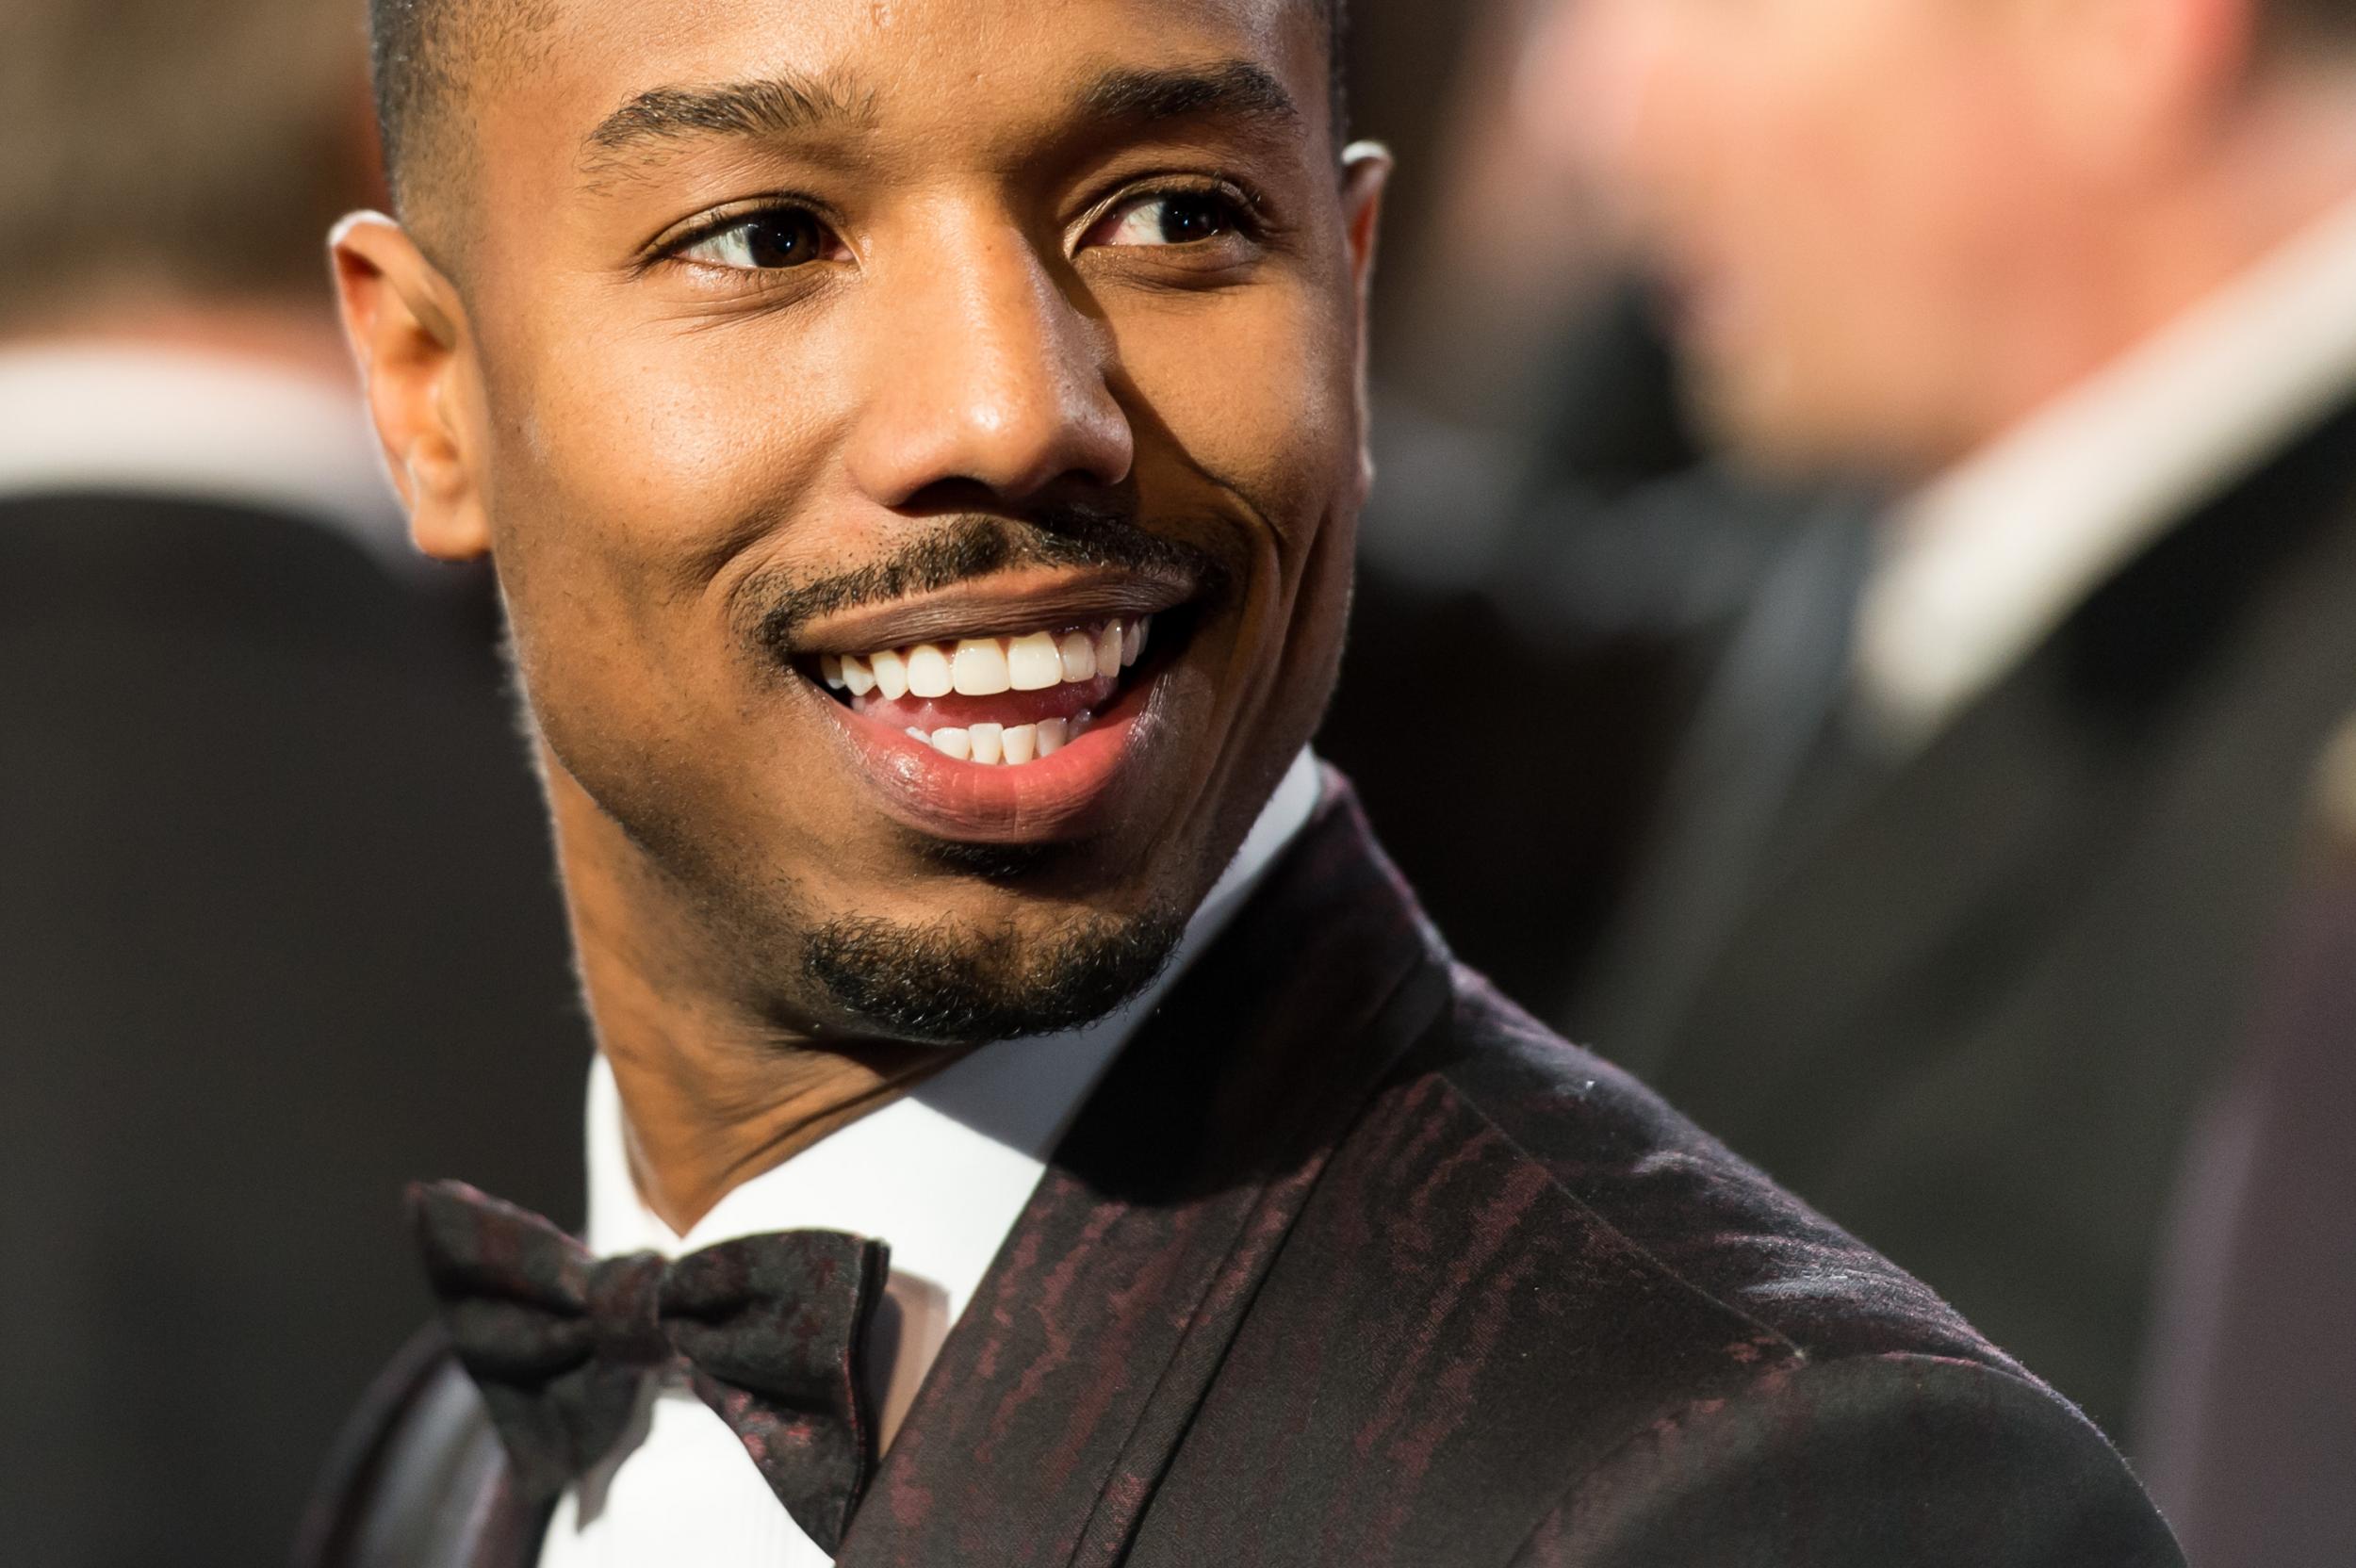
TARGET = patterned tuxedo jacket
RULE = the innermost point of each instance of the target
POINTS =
(1348, 1263)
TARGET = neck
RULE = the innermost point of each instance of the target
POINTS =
(714, 1095)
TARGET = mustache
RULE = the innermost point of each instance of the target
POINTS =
(969, 546)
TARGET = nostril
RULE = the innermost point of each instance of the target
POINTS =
(951, 496)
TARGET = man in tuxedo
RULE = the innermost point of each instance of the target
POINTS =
(1956, 917)
(271, 864)
(920, 447)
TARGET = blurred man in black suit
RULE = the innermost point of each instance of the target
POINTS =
(267, 840)
(1955, 915)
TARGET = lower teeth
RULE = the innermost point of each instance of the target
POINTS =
(994, 745)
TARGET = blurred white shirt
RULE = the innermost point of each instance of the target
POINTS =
(939, 1175)
(1984, 563)
(192, 424)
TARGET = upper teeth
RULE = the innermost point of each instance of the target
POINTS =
(984, 666)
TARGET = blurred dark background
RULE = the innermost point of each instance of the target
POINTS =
(279, 930)
(1854, 623)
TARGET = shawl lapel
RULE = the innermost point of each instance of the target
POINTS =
(1061, 1396)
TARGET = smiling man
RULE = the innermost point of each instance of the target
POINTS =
(921, 445)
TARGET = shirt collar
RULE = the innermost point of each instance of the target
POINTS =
(192, 424)
(942, 1172)
(1985, 562)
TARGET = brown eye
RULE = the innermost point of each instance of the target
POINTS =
(762, 241)
(1172, 218)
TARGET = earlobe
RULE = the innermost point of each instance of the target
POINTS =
(403, 320)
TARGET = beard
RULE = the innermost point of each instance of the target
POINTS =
(948, 984)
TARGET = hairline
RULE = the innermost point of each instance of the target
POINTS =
(421, 96)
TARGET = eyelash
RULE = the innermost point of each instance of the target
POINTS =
(1244, 205)
(674, 248)
(1243, 202)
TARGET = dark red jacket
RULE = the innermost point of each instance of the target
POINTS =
(1348, 1263)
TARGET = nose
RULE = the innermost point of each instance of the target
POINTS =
(988, 374)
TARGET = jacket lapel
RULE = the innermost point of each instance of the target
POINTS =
(1061, 1396)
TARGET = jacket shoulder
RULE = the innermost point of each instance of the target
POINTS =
(1858, 1464)
(1688, 1203)
(1516, 1270)
(1795, 1398)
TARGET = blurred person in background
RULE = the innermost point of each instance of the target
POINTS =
(1955, 911)
(1544, 515)
(268, 845)
(2248, 1411)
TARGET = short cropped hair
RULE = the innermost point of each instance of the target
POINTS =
(425, 54)
(160, 150)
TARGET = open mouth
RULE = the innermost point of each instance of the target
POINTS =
(996, 701)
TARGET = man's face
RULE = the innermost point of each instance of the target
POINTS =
(1833, 193)
(835, 370)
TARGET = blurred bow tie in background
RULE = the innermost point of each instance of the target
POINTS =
(768, 1329)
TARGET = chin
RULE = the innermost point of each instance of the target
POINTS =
(955, 981)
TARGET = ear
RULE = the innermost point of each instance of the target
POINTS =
(2127, 84)
(405, 324)
(1365, 173)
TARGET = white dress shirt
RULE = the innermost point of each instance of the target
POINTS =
(192, 424)
(1987, 560)
(941, 1175)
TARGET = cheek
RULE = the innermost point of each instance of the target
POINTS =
(1847, 179)
(1287, 444)
(620, 472)
(626, 464)
(664, 438)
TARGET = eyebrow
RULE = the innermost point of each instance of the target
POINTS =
(787, 105)
(771, 106)
(1237, 88)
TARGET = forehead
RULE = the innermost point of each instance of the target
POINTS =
(914, 71)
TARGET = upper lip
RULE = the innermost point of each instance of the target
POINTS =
(1002, 605)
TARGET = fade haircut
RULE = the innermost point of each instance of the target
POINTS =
(426, 53)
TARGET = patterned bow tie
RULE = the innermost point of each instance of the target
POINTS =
(768, 1329)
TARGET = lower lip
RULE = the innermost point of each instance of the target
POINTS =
(1049, 798)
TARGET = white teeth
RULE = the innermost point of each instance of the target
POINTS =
(979, 668)
(988, 666)
(1077, 654)
(929, 672)
(1033, 662)
(992, 745)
